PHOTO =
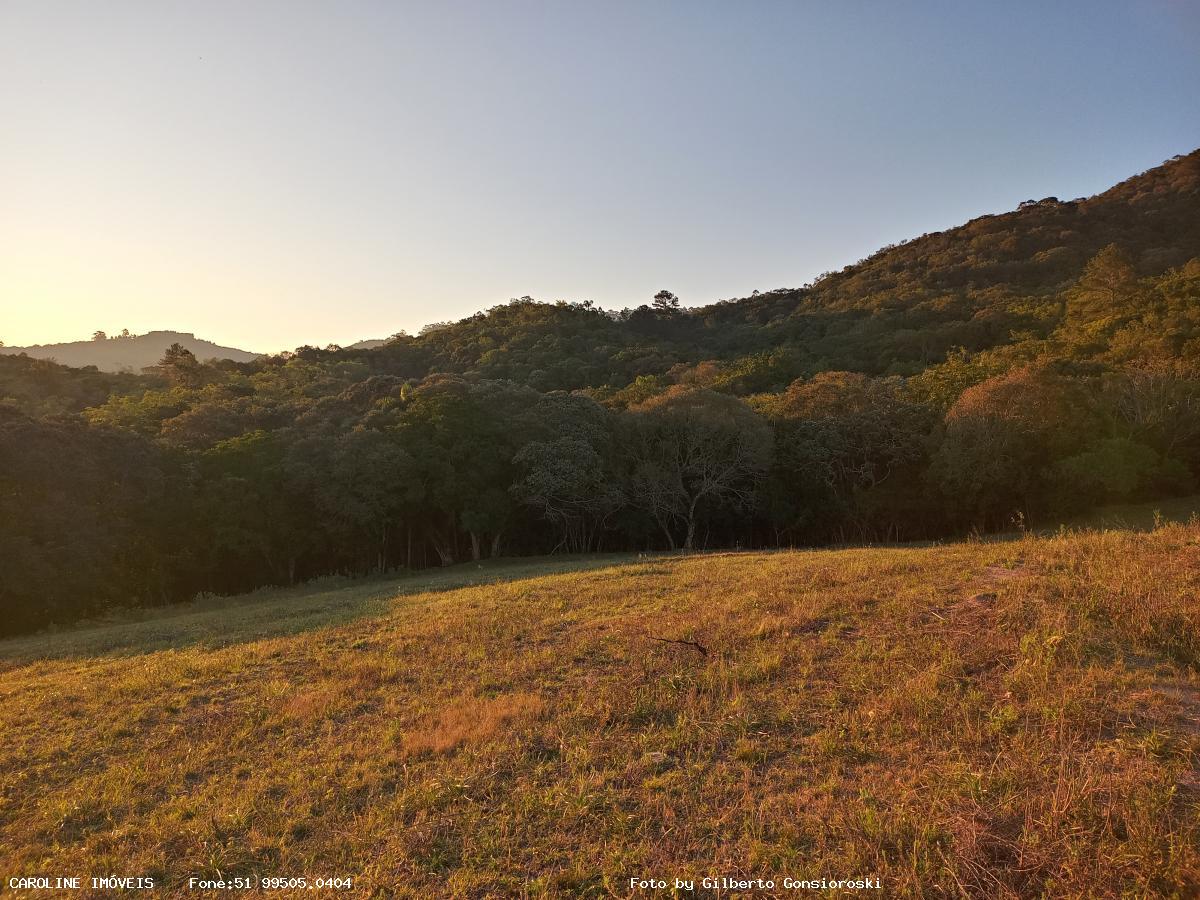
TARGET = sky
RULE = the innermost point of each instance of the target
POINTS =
(273, 174)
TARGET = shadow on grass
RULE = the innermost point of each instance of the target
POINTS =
(275, 612)
(1144, 516)
(1138, 516)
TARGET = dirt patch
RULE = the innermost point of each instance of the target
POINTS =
(975, 609)
(1187, 704)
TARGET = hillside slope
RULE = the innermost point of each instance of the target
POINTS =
(1038, 248)
(129, 354)
(996, 720)
(980, 285)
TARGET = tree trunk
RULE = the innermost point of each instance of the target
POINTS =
(690, 541)
(667, 532)
(496, 544)
(474, 546)
(444, 550)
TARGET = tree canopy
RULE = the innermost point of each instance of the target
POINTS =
(1020, 367)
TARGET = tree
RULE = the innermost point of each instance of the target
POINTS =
(853, 447)
(1158, 405)
(1104, 288)
(464, 437)
(259, 518)
(938, 386)
(180, 367)
(99, 336)
(666, 303)
(1116, 469)
(690, 451)
(568, 473)
(867, 426)
(1002, 437)
(366, 483)
(83, 521)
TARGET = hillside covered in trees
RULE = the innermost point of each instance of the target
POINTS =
(1020, 366)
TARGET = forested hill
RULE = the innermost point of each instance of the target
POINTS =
(1021, 368)
(993, 282)
(1037, 249)
(978, 286)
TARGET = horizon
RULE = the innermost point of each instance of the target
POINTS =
(286, 175)
(384, 337)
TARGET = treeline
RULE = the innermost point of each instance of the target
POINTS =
(224, 477)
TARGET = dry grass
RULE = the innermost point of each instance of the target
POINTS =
(472, 720)
(986, 720)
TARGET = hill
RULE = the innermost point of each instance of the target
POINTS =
(129, 353)
(371, 344)
(1041, 247)
(983, 719)
(991, 282)
(1016, 370)
(994, 281)
(979, 285)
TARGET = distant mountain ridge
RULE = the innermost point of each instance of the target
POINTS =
(131, 353)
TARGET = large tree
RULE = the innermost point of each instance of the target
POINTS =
(1003, 436)
(568, 472)
(367, 487)
(465, 437)
(691, 451)
(849, 454)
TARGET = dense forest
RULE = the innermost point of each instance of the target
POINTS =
(1018, 367)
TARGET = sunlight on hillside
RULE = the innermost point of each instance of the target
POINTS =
(996, 718)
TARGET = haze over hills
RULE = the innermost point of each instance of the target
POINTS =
(129, 353)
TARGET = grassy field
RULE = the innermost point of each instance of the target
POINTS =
(981, 719)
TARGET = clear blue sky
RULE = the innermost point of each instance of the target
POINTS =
(268, 174)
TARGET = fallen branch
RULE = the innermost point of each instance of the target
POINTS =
(703, 652)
